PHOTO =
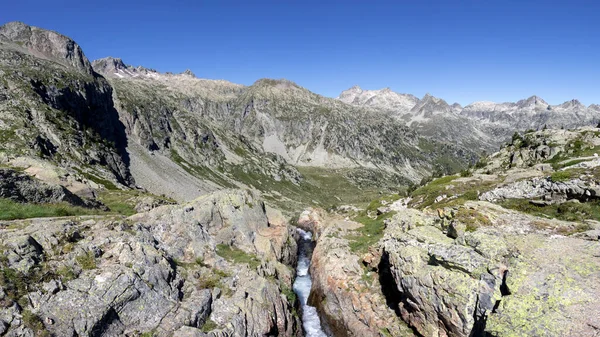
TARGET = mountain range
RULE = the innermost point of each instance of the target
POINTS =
(182, 136)
(482, 124)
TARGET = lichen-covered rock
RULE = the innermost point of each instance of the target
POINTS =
(512, 276)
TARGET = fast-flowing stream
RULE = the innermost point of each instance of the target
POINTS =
(310, 318)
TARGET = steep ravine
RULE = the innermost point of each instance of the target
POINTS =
(311, 323)
(346, 294)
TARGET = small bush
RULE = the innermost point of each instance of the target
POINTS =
(466, 173)
(86, 261)
(209, 325)
(14, 283)
(289, 294)
(33, 322)
(66, 273)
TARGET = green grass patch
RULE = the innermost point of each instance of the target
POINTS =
(574, 149)
(568, 211)
(34, 322)
(425, 196)
(573, 162)
(11, 210)
(560, 176)
(369, 234)
(375, 204)
(471, 218)
(236, 255)
(289, 294)
(66, 273)
(119, 202)
(98, 180)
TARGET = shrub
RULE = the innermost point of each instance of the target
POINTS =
(33, 322)
(86, 261)
(289, 294)
(66, 273)
(209, 325)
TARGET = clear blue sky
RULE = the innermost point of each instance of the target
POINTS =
(461, 51)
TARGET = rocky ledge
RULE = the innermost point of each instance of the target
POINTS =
(218, 266)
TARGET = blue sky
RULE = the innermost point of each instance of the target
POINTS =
(462, 51)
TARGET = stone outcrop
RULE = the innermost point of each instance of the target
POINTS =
(213, 267)
(347, 294)
(23, 188)
(545, 189)
(492, 276)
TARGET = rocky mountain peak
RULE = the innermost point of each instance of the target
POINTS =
(572, 104)
(115, 67)
(45, 44)
(276, 83)
(429, 106)
(188, 72)
(383, 98)
(108, 64)
(533, 101)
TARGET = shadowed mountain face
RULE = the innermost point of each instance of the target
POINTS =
(53, 105)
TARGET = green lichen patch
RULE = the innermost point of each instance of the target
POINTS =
(236, 255)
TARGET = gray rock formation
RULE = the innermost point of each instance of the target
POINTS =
(213, 267)
(45, 44)
(22, 188)
(489, 279)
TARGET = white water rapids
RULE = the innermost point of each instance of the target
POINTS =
(310, 318)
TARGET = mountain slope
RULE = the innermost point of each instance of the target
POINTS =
(266, 129)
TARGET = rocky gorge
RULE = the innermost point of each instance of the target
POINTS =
(140, 203)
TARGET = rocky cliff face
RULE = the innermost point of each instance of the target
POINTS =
(53, 106)
(45, 44)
